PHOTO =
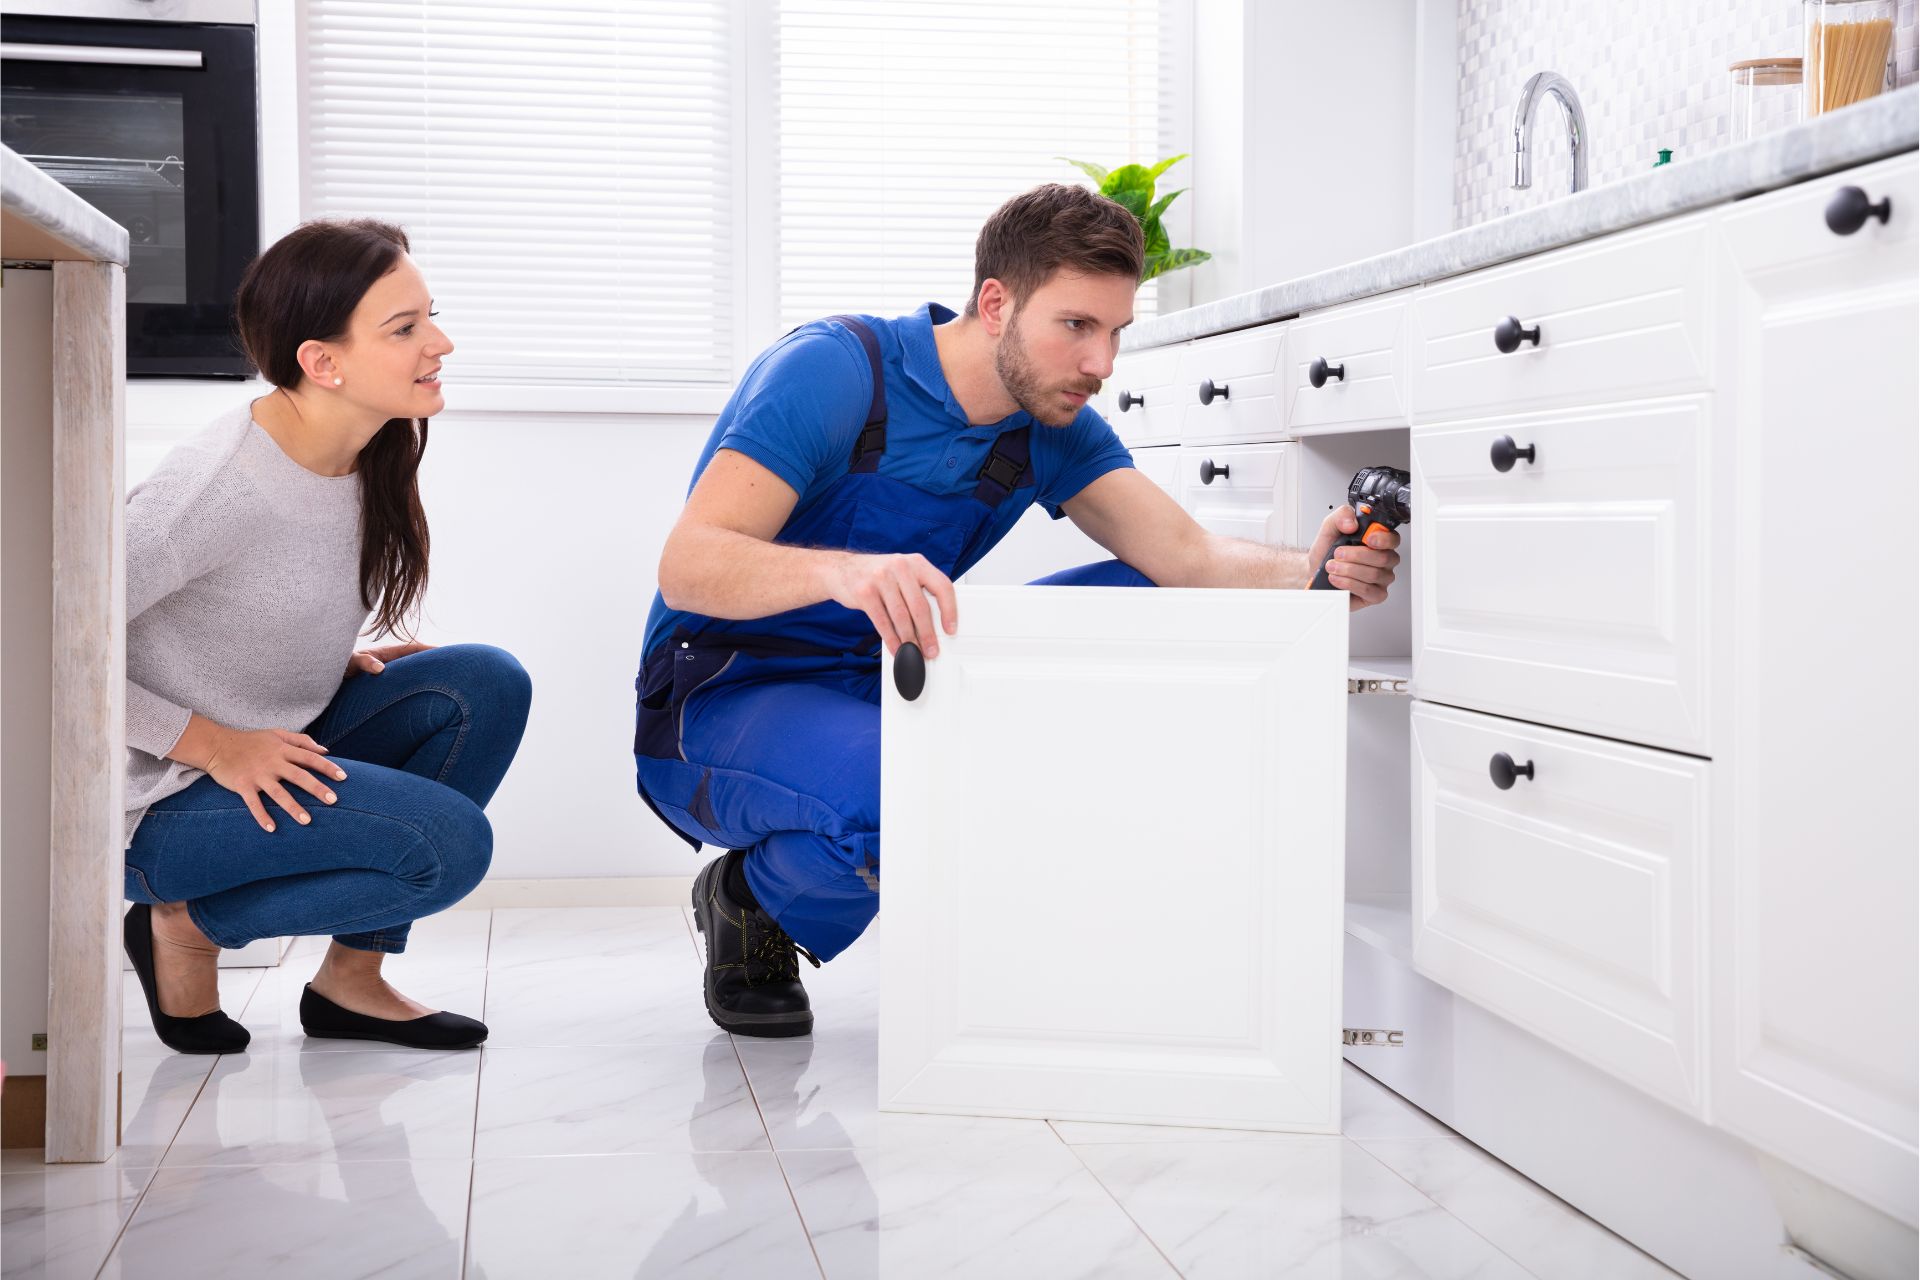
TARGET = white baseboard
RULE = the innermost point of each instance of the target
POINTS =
(586, 891)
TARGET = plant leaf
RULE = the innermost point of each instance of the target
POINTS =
(1097, 172)
(1166, 164)
(1160, 206)
(1174, 260)
(1128, 177)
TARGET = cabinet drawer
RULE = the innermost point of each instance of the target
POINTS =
(1622, 317)
(1162, 466)
(1252, 494)
(1141, 400)
(1244, 369)
(1572, 589)
(1571, 902)
(1365, 382)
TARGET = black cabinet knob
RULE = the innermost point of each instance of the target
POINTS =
(1506, 453)
(1208, 472)
(1208, 391)
(909, 671)
(1510, 333)
(1128, 400)
(1849, 210)
(1503, 770)
(1319, 371)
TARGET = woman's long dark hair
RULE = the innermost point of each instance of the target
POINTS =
(304, 287)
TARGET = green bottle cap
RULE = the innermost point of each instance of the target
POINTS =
(1666, 157)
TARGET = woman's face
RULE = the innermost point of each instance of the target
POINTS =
(390, 363)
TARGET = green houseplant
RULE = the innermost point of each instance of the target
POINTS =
(1132, 185)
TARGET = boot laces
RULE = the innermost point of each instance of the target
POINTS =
(771, 955)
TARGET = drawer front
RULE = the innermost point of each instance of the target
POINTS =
(1619, 318)
(1252, 494)
(1570, 903)
(1782, 240)
(1572, 589)
(1365, 385)
(1162, 466)
(1247, 366)
(1153, 408)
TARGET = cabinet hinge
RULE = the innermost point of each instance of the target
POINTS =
(39, 1042)
(1370, 684)
(1371, 1036)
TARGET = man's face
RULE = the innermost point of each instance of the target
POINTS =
(1059, 345)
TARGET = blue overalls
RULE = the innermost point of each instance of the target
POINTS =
(765, 734)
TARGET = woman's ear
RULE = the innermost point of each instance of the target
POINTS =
(317, 362)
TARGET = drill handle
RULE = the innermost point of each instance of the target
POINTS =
(1320, 579)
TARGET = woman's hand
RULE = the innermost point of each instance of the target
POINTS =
(373, 661)
(250, 762)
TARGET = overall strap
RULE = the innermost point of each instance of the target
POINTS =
(1008, 465)
(872, 442)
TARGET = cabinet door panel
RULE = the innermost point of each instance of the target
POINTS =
(1815, 1048)
(1023, 864)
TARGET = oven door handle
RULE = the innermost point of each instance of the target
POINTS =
(102, 54)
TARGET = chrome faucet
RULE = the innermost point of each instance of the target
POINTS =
(1540, 85)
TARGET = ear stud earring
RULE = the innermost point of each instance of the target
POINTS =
(339, 381)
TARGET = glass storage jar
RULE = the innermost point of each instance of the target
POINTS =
(1766, 95)
(1849, 51)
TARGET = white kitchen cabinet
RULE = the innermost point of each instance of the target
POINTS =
(1572, 587)
(1010, 915)
(1359, 354)
(1622, 316)
(1231, 384)
(1571, 900)
(1141, 400)
(1814, 867)
(1242, 491)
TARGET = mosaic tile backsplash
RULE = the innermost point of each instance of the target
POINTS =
(1650, 74)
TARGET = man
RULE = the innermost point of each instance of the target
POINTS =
(862, 465)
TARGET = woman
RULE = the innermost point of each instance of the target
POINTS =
(279, 781)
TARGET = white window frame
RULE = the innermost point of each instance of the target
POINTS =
(283, 197)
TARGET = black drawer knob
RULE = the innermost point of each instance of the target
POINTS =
(1510, 333)
(1209, 472)
(1208, 391)
(1506, 453)
(1128, 400)
(910, 671)
(1503, 770)
(1319, 371)
(1849, 210)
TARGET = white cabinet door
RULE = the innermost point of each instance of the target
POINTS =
(1064, 942)
(1231, 383)
(1571, 589)
(1814, 867)
(1242, 490)
(1569, 901)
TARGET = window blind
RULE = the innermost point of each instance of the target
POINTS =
(565, 172)
(904, 123)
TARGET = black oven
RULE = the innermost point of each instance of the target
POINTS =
(155, 125)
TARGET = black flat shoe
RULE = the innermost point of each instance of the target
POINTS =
(322, 1019)
(210, 1032)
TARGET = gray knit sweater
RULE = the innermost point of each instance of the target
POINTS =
(243, 597)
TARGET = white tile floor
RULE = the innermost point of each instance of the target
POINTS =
(609, 1129)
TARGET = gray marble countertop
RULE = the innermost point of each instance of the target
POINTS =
(1879, 127)
(30, 195)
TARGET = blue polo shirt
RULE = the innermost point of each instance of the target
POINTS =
(804, 400)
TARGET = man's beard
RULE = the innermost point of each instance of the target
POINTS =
(1022, 381)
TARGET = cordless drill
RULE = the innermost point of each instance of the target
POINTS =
(1383, 499)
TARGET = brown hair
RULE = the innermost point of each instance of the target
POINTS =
(1052, 226)
(304, 287)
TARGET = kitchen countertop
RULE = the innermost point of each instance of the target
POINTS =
(44, 220)
(1880, 127)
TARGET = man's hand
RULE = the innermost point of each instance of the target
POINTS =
(373, 661)
(1366, 572)
(892, 591)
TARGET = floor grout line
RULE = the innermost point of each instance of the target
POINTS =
(1101, 1183)
(473, 1148)
(785, 1179)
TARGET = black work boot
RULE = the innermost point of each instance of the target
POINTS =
(753, 967)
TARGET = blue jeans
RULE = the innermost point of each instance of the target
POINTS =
(424, 745)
